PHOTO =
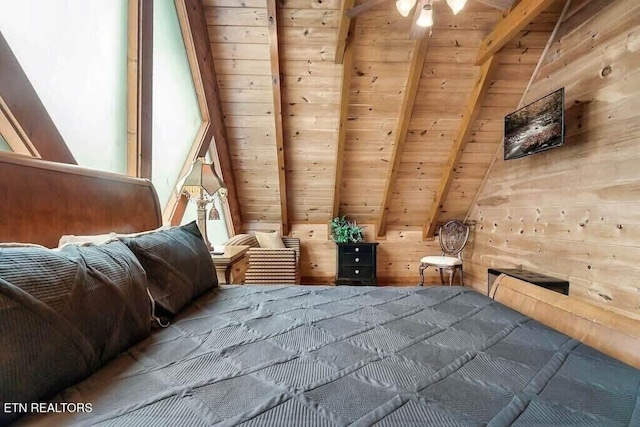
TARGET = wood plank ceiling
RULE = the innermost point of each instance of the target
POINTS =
(380, 143)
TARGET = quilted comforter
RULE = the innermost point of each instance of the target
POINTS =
(332, 356)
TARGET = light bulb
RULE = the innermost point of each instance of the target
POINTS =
(456, 5)
(405, 6)
(426, 17)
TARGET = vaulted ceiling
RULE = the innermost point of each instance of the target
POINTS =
(366, 116)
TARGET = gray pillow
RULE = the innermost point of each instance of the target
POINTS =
(178, 265)
(64, 313)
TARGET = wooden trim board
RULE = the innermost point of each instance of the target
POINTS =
(139, 88)
(613, 332)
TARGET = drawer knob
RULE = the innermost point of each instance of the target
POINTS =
(357, 271)
(357, 249)
(357, 259)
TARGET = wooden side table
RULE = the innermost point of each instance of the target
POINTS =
(225, 262)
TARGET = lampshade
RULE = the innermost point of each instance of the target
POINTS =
(456, 5)
(201, 176)
(405, 6)
(426, 17)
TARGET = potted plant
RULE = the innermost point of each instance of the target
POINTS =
(343, 231)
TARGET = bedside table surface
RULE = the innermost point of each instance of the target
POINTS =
(224, 262)
(231, 253)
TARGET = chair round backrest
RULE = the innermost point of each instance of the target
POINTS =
(453, 237)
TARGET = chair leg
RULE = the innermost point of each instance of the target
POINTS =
(461, 276)
(452, 273)
(421, 270)
(441, 276)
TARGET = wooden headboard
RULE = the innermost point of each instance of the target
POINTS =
(40, 201)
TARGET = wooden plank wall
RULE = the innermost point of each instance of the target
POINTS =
(311, 85)
(398, 255)
(239, 36)
(382, 57)
(442, 96)
(574, 212)
(516, 63)
(311, 104)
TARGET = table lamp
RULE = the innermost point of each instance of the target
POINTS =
(200, 185)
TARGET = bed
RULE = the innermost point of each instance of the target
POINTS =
(327, 355)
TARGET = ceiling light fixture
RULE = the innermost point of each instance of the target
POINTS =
(426, 16)
(425, 19)
(405, 6)
(456, 5)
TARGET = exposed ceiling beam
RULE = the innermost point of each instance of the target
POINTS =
(406, 110)
(196, 40)
(23, 104)
(139, 88)
(511, 24)
(471, 111)
(345, 83)
(343, 31)
(274, 54)
(352, 12)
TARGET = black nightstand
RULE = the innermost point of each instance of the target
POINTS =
(356, 264)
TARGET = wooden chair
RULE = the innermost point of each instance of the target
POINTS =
(453, 237)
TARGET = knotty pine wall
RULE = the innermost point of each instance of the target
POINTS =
(574, 212)
(398, 254)
(311, 86)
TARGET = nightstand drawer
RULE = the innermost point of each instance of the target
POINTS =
(349, 272)
(357, 259)
(356, 249)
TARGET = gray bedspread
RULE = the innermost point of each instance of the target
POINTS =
(325, 356)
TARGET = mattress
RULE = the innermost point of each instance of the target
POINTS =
(353, 355)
